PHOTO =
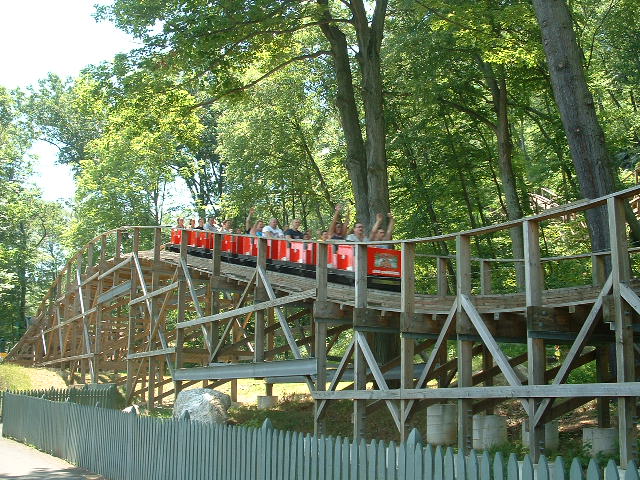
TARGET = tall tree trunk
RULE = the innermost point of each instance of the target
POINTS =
(369, 42)
(498, 88)
(366, 162)
(356, 160)
(577, 111)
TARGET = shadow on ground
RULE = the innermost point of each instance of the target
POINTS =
(63, 473)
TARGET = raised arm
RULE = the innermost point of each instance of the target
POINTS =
(247, 222)
(376, 226)
(336, 215)
(345, 225)
(390, 226)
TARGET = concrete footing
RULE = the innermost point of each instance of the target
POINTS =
(551, 437)
(442, 424)
(267, 401)
(600, 440)
(489, 431)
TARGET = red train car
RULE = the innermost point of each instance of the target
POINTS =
(291, 256)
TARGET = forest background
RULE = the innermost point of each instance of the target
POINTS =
(445, 113)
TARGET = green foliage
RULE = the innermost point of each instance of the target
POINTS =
(67, 114)
(29, 227)
(583, 374)
(291, 413)
(280, 129)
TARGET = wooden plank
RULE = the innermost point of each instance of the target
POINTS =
(440, 342)
(534, 284)
(407, 344)
(464, 347)
(114, 292)
(359, 363)
(498, 355)
(227, 328)
(630, 297)
(625, 357)
(90, 279)
(294, 297)
(576, 346)
(71, 320)
(342, 366)
(378, 376)
(259, 295)
(67, 359)
(305, 366)
(321, 349)
(321, 271)
(115, 268)
(192, 290)
(152, 353)
(132, 378)
(621, 390)
(155, 293)
(286, 330)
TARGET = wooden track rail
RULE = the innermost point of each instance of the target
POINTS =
(126, 309)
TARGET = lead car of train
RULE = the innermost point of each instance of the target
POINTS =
(297, 258)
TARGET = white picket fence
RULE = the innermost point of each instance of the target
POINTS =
(126, 446)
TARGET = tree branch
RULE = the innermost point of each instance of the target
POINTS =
(253, 83)
(472, 113)
(377, 23)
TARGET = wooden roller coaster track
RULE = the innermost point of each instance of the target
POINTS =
(126, 309)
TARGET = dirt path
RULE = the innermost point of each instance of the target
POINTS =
(17, 461)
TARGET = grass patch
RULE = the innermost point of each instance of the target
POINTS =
(294, 412)
(15, 377)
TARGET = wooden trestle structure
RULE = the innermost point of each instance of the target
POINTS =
(170, 320)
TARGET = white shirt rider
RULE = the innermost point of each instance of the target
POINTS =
(272, 230)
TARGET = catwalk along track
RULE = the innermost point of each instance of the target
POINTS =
(158, 310)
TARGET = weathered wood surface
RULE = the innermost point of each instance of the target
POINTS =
(390, 301)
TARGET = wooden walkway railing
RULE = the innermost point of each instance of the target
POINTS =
(124, 446)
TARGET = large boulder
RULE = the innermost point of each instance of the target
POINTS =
(203, 404)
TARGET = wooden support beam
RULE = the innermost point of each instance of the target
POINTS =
(534, 284)
(225, 333)
(321, 350)
(116, 291)
(439, 346)
(620, 390)
(465, 356)
(377, 375)
(260, 294)
(292, 298)
(97, 344)
(576, 347)
(230, 371)
(155, 293)
(66, 359)
(407, 344)
(286, 330)
(131, 326)
(490, 342)
(115, 268)
(342, 366)
(359, 363)
(151, 353)
(625, 357)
